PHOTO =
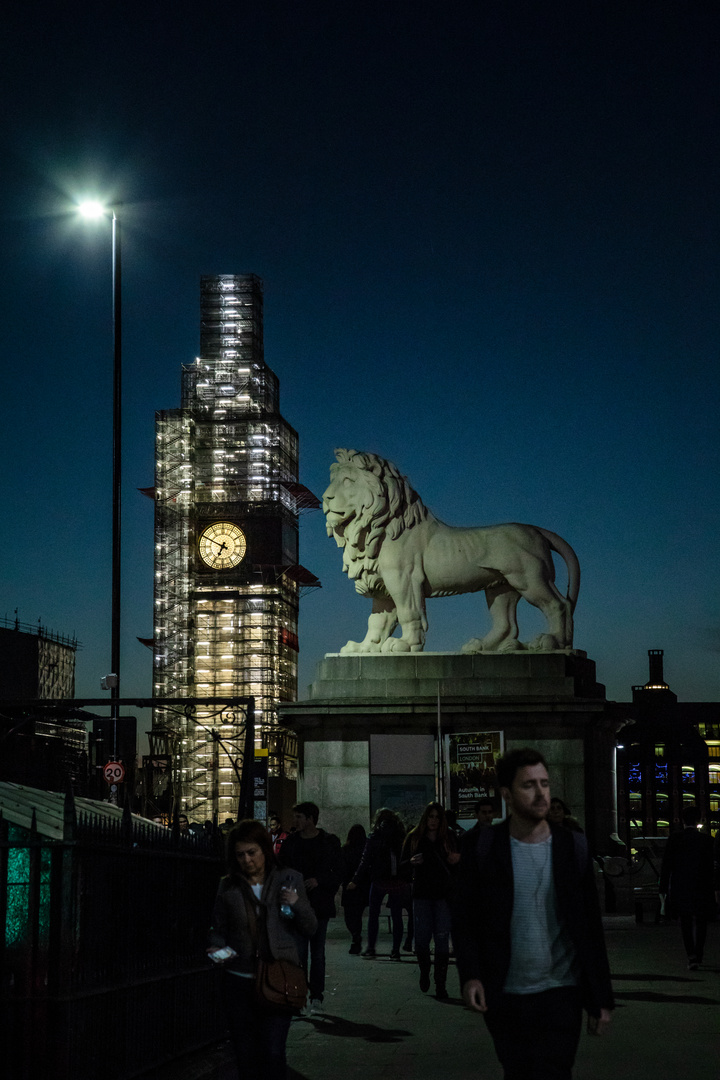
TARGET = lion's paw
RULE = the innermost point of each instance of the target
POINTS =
(397, 645)
(511, 645)
(544, 643)
(353, 647)
(480, 645)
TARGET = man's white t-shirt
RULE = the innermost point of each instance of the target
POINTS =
(543, 956)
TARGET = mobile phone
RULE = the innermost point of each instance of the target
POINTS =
(219, 955)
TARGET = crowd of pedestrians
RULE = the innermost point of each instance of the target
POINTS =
(516, 901)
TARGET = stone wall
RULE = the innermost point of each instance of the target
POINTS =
(334, 774)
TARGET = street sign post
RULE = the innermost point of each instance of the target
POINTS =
(114, 772)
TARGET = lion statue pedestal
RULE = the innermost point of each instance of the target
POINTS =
(368, 731)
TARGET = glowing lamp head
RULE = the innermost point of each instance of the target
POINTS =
(91, 208)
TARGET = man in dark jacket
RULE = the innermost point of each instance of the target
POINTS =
(484, 817)
(686, 878)
(316, 855)
(528, 933)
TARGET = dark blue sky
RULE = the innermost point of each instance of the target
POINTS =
(488, 233)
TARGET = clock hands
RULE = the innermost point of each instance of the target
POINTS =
(222, 545)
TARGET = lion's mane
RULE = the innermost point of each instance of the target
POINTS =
(393, 506)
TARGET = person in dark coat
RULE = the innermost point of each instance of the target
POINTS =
(430, 852)
(484, 816)
(316, 855)
(247, 922)
(559, 814)
(380, 867)
(527, 930)
(353, 901)
(277, 833)
(686, 880)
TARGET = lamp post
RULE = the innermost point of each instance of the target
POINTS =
(92, 209)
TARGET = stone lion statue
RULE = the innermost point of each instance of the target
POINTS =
(399, 554)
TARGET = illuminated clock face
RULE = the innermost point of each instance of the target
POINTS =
(222, 545)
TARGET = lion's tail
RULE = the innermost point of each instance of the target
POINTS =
(571, 561)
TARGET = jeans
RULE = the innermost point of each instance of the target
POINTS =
(378, 891)
(316, 946)
(257, 1033)
(432, 919)
(536, 1035)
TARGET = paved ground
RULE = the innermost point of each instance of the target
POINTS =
(377, 1023)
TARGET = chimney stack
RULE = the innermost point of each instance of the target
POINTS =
(655, 658)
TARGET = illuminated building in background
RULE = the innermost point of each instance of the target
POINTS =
(227, 578)
(668, 756)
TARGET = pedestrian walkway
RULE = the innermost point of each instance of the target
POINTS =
(377, 1023)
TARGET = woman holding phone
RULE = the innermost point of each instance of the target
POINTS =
(260, 910)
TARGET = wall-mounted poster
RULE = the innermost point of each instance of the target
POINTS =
(470, 771)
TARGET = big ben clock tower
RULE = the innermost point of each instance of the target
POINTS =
(227, 578)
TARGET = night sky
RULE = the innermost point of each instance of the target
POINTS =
(488, 234)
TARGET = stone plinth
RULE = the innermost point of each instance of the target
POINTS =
(371, 721)
(395, 677)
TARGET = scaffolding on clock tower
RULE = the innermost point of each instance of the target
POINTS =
(226, 455)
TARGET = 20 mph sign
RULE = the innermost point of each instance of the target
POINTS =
(114, 772)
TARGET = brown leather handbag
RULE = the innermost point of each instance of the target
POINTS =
(280, 984)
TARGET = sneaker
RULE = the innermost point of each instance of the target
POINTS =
(407, 947)
(315, 1006)
(369, 952)
(692, 963)
(355, 949)
(395, 956)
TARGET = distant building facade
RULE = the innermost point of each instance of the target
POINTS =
(668, 756)
(41, 748)
(227, 577)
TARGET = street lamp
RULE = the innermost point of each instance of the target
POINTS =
(94, 209)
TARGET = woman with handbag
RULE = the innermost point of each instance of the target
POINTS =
(430, 850)
(260, 911)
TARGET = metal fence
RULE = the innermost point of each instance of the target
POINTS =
(103, 971)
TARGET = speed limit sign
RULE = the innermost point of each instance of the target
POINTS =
(114, 772)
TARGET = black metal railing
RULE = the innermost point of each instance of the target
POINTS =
(103, 970)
